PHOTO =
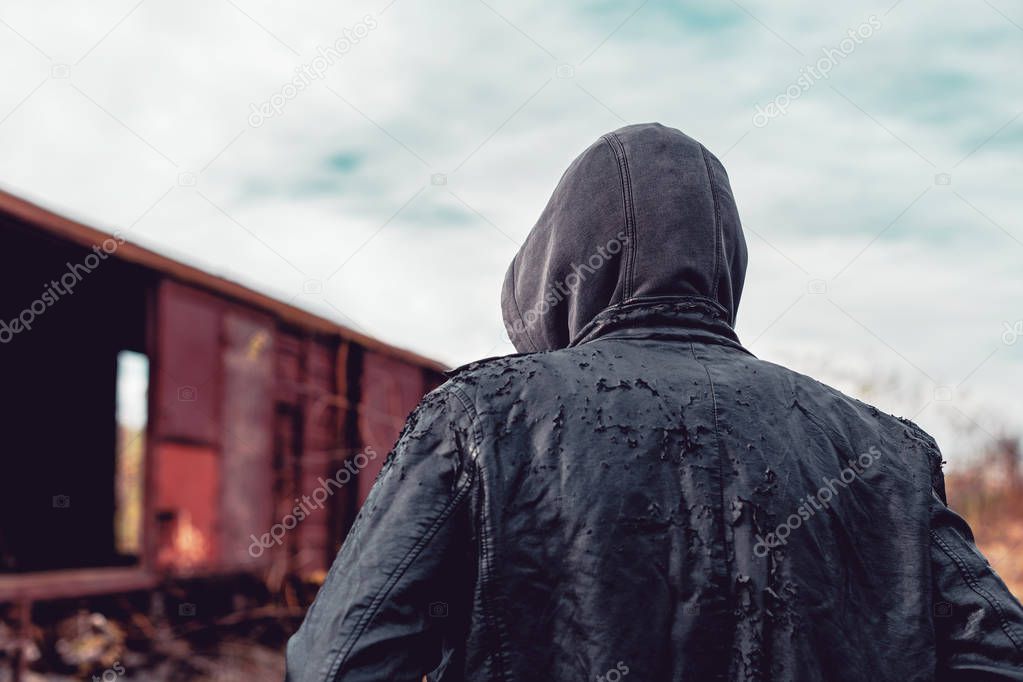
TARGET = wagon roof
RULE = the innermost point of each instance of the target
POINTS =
(84, 235)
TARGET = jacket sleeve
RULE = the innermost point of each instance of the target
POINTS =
(978, 623)
(384, 611)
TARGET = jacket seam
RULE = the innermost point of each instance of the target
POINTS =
(470, 411)
(490, 612)
(630, 218)
(396, 575)
(718, 255)
(618, 149)
(978, 588)
(721, 474)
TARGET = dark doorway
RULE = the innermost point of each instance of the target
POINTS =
(67, 314)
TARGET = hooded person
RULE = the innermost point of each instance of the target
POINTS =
(637, 496)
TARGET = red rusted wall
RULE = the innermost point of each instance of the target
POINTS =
(188, 362)
(258, 419)
(390, 389)
(187, 371)
(246, 434)
(323, 449)
(288, 442)
(215, 381)
(188, 504)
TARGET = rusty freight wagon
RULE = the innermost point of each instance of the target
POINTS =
(161, 421)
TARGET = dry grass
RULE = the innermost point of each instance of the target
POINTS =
(989, 495)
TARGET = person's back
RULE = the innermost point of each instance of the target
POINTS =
(637, 497)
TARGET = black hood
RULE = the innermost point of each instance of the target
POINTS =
(645, 214)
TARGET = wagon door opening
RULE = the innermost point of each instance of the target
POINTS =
(81, 314)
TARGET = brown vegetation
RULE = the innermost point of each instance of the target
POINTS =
(989, 494)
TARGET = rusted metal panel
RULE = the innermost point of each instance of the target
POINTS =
(321, 397)
(320, 457)
(287, 447)
(390, 389)
(306, 443)
(187, 506)
(189, 364)
(247, 436)
(289, 367)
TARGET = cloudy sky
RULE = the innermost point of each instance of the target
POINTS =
(379, 162)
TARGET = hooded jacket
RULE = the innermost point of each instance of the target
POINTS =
(637, 497)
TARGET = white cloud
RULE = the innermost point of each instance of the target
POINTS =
(471, 90)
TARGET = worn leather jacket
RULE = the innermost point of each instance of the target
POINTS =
(637, 497)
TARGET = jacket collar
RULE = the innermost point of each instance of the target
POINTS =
(682, 318)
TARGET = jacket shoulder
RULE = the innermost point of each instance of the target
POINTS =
(482, 374)
(495, 381)
(838, 408)
(475, 365)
